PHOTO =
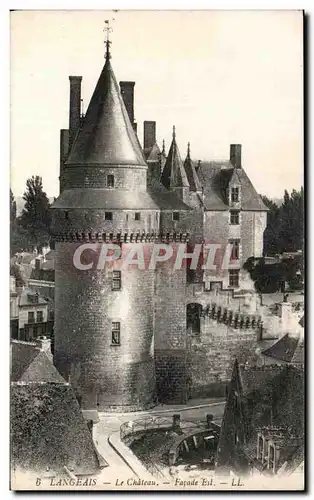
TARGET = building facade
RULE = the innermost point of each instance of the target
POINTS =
(121, 333)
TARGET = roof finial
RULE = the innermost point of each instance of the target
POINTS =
(163, 146)
(188, 151)
(107, 41)
(174, 132)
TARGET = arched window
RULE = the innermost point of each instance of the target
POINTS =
(110, 181)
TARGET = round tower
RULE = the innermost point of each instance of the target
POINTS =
(104, 320)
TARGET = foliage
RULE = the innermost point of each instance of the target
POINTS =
(32, 228)
(285, 224)
(12, 207)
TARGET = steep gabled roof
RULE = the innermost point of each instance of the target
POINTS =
(173, 174)
(153, 154)
(283, 349)
(106, 136)
(48, 430)
(191, 174)
(215, 177)
(29, 363)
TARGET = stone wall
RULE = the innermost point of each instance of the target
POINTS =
(170, 333)
(212, 356)
(100, 372)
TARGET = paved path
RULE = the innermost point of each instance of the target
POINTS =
(195, 410)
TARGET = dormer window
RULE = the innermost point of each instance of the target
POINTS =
(176, 216)
(110, 181)
(108, 215)
(235, 191)
(137, 216)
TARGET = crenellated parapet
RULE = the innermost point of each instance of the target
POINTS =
(122, 236)
(232, 318)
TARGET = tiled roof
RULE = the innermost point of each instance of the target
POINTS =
(106, 136)
(215, 176)
(48, 430)
(283, 349)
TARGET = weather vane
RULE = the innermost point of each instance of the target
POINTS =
(108, 29)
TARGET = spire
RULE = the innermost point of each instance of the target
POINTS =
(191, 174)
(106, 136)
(173, 174)
(173, 132)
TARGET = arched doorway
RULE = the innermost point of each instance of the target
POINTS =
(193, 318)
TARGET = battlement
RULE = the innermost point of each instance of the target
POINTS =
(122, 236)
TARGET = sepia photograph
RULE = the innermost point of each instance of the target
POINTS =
(157, 250)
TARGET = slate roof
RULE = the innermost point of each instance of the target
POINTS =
(191, 174)
(215, 176)
(106, 136)
(152, 154)
(25, 299)
(173, 174)
(48, 430)
(284, 349)
(29, 363)
(254, 378)
(22, 354)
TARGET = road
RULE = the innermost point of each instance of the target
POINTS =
(194, 411)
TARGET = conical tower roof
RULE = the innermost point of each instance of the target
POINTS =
(106, 136)
(191, 174)
(173, 174)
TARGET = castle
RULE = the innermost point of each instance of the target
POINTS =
(126, 339)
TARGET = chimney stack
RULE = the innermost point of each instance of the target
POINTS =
(149, 134)
(64, 149)
(235, 155)
(75, 107)
(127, 92)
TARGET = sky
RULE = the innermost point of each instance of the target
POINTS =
(220, 77)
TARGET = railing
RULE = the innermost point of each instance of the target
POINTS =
(132, 427)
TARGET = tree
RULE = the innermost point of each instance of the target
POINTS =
(285, 224)
(35, 217)
(271, 237)
(291, 230)
(12, 207)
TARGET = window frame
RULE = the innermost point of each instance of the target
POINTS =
(232, 274)
(110, 184)
(116, 279)
(137, 216)
(41, 315)
(236, 214)
(235, 190)
(109, 218)
(115, 329)
(235, 252)
(28, 316)
(176, 216)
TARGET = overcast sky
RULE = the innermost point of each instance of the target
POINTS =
(220, 76)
